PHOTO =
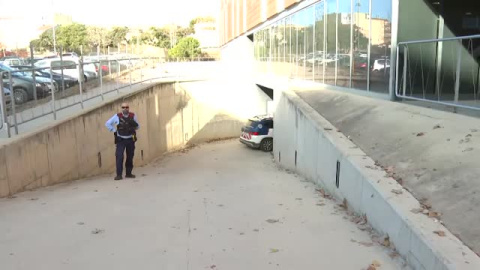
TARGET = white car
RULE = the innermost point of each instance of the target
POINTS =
(381, 64)
(258, 133)
(70, 67)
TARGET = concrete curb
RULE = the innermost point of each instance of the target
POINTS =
(310, 145)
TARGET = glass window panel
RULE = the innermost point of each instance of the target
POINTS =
(344, 42)
(361, 33)
(309, 42)
(295, 30)
(300, 23)
(319, 41)
(331, 56)
(381, 45)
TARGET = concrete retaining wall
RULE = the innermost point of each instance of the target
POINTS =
(307, 143)
(81, 147)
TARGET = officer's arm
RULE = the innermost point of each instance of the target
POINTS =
(112, 123)
(136, 121)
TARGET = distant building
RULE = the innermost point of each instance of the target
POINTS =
(207, 34)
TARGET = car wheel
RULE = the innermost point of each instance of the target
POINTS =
(85, 77)
(20, 96)
(267, 145)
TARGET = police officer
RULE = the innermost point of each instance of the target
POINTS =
(124, 125)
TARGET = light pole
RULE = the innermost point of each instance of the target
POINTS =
(54, 40)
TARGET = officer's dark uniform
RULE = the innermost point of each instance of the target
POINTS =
(125, 138)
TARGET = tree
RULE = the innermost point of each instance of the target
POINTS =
(97, 36)
(117, 35)
(72, 36)
(159, 37)
(186, 47)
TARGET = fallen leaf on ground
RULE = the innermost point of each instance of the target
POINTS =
(420, 134)
(274, 250)
(374, 265)
(437, 127)
(272, 221)
(323, 193)
(366, 244)
(344, 204)
(417, 210)
(394, 254)
(433, 214)
(397, 191)
(386, 242)
(98, 231)
(389, 169)
(34, 199)
(440, 233)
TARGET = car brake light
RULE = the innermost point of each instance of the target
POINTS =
(253, 133)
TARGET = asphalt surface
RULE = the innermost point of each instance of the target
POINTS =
(216, 206)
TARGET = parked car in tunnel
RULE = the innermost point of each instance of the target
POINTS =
(258, 133)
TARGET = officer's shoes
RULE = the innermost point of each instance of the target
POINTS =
(118, 177)
(130, 176)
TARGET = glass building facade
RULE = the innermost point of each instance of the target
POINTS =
(344, 43)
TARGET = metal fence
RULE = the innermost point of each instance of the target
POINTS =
(53, 85)
(443, 71)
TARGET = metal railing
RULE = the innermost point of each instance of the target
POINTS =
(54, 85)
(51, 91)
(444, 71)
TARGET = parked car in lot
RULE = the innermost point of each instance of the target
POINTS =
(258, 133)
(23, 87)
(45, 73)
(12, 61)
(70, 67)
(381, 64)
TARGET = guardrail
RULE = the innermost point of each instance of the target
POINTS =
(64, 84)
(54, 85)
(443, 71)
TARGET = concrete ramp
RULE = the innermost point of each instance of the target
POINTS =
(171, 116)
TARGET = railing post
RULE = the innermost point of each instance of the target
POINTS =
(101, 79)
(458, 71)
(33, 74)
(53, 95)
(118, 77)
(14, 111)
(80, 77)
(397, 71)
(405, 67)
(130, 71)
(4, 106)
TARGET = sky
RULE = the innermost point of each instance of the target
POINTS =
(109, 12)
(20, 20)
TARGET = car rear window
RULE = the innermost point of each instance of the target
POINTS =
(252, 123)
